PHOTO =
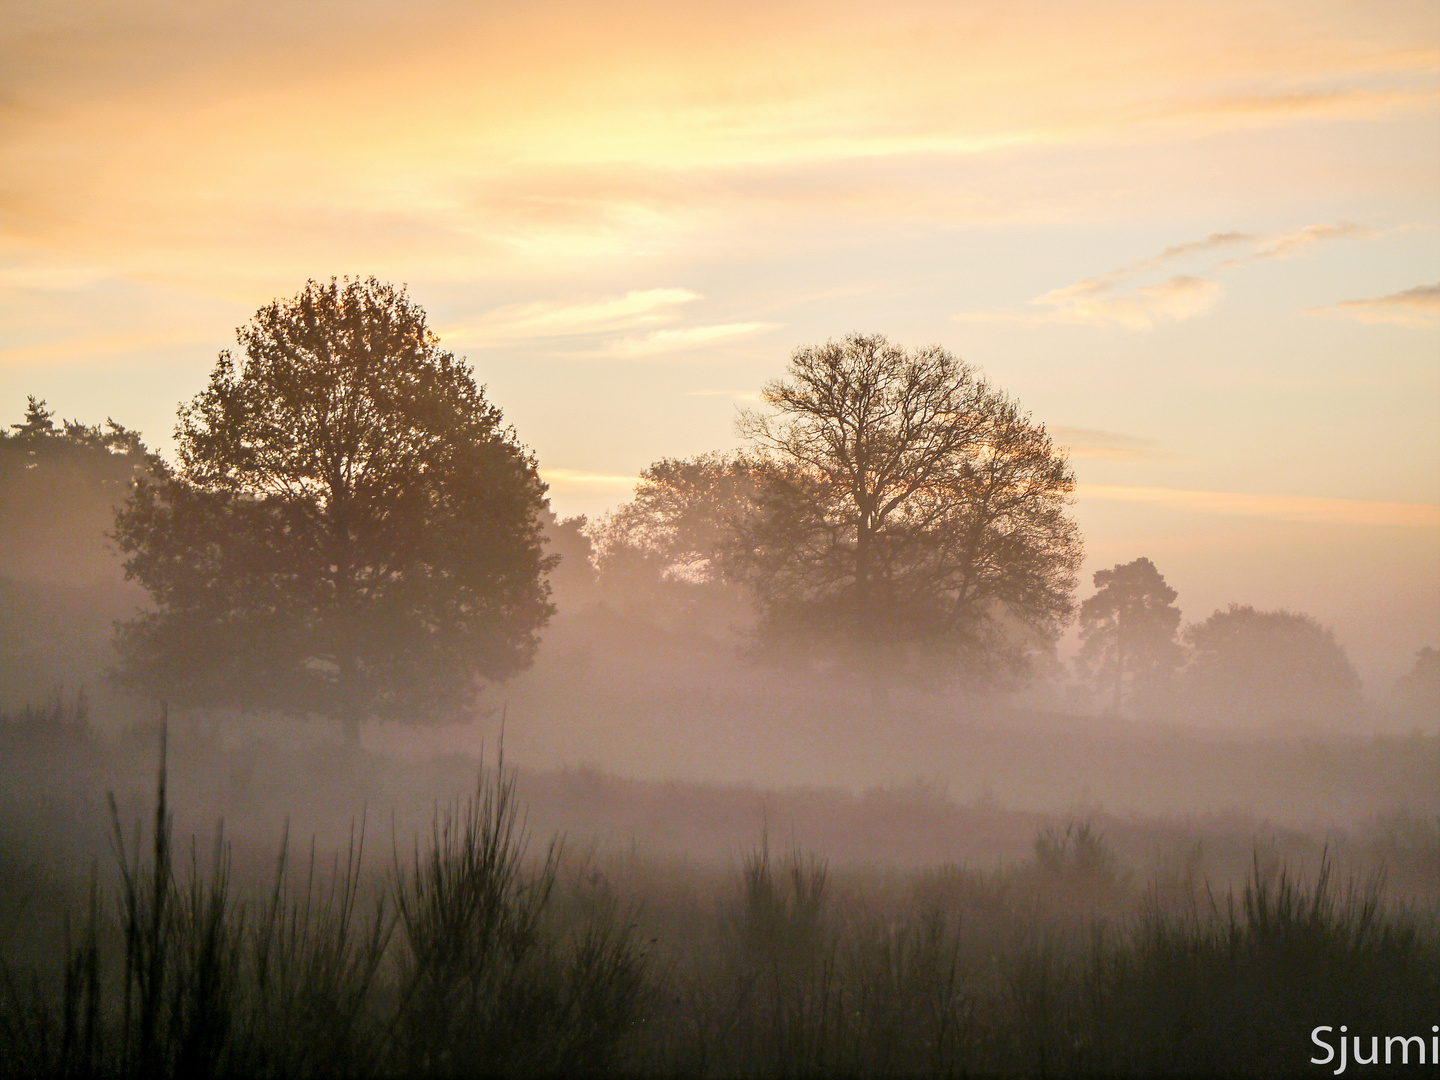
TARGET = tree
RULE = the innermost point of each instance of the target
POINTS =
(61, 583)
(908, 509)
(1127, 632)
(1271, 666)
(350, 529)
(663, 556)
(59, 487)
(1417, 692)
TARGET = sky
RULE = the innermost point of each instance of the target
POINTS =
(1200, 242)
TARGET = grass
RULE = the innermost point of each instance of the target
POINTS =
(471, 955)
(455, 965)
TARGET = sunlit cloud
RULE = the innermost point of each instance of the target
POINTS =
(1419, 306)
(686, 339)
(1176, 298)
(578, 482)
(1090, 443)
(752, 396)
(1282, 507)
(519, 322)
(1289, 244)
(460, 135)
(95, 347)
(1116, 298)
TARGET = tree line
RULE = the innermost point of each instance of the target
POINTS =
(350, 529)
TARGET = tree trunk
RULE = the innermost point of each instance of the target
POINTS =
(862, 576)
(1119, 670)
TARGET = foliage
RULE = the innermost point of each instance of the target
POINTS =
(572, 580)
(499, 966)
(1417, 692)
(59, 487)
(350, 529)
(1275, 666)
(316, 982)
(910, 509)
(684, 515)
(896, 509)
(666, 556)
(1127, 633)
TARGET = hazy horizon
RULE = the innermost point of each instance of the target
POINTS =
(1200, 244)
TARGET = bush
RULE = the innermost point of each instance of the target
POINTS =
(477, 981)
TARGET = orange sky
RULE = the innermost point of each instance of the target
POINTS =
(1201, 241)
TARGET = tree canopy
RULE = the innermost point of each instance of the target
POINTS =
(911, 509)
(667, 556)
(1127, 634)
(894, 507)
(1417, 692)
(1281, 667)
(59, 487)
(350, 529)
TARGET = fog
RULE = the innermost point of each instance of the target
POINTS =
(688, 774)
(652, 678)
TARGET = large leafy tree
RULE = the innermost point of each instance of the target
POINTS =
(60, 582)
(1276, 667)
(665, 556)
(351, 530)
(59, 486)
(1417, 692)
(1128, 634)
(905, 510)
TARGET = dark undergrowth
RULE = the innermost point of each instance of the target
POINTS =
(469, 955)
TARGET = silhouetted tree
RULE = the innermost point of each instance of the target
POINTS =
(350, 530)
(683, 517)
(59, 486)
(1127, 633)
(61, 582)
(572, 581)
(1273, 666)
(664, 556)
(908, 509)
(1417, 692)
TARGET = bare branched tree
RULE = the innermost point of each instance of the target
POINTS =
(909, 507)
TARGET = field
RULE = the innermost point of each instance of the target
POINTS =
(364, 915)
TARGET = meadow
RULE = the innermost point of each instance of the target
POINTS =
(544, 923)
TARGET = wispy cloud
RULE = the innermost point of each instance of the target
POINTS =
(1122, 297)
(520, 322)
(1282, 507)
(570, 479)
(1176, 298)
(1289, 244)
(684, 339)
(734, 395)
(1090, 443)
(102, 348)
(1419, 306)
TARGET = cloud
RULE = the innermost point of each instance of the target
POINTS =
(109, 347)
(481, 135)
(520, 322)
(754, 396)
(1282, 507)
(1116, 298)
(659, 342)
(1090, 443)
(1288, 244)
(589, 482)
(1419, 306)
(1176, 298)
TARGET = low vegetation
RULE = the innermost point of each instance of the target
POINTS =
(471, 953)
